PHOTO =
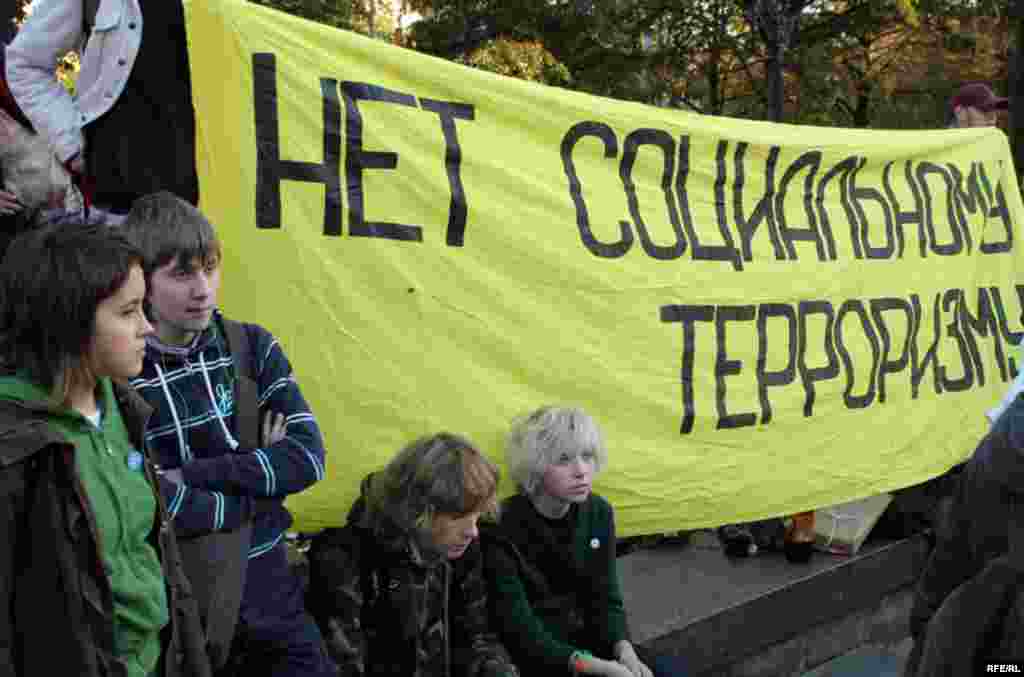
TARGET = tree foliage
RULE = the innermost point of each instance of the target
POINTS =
(21, 9)
(861, 63)
(337, 13)
(585, 36)
(523, 60)
(369, 17)
(872, 65)
(880, 63)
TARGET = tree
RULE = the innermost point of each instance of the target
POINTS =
(523, 60)
(828, 62)
(11, 15)
(874, 63)
(697, 51)
(373, 17)
(596, 42)
(846, 57)
(953, 44)
(369, 17)
(777, 22)
(337, 13)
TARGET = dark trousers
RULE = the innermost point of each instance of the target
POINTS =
(663, 665)
(275, 636)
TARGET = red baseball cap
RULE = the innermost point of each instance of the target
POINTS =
(978, 95)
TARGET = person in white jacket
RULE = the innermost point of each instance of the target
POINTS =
(130, 128)
(10, 204)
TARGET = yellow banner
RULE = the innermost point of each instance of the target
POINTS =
(763, 318)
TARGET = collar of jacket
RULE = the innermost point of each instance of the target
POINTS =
(387, 534)
(159, 351)
(135, 412)
(24, 430)
(397, 544)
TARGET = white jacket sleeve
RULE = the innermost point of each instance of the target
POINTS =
(1015, 389)
(54, 28)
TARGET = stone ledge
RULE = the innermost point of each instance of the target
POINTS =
(764, 615)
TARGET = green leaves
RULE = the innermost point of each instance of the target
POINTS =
(337, 13)
(908, 10)
(527, 60)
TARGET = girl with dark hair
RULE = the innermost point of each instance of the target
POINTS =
(400, 590)
(90, 577)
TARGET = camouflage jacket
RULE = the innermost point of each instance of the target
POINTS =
(385, 609)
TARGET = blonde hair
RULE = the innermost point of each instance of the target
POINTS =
(536, 439)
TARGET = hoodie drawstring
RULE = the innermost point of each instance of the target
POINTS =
(232, 442)
(186, 455)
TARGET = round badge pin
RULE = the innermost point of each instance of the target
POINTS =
(134, 460)
(594, 544)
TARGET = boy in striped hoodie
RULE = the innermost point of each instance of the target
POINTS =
(217, 483)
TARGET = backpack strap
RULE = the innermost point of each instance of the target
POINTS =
(89, 9)
(247, 414)
(216, 563)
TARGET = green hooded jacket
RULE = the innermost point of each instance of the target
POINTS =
(57, 578)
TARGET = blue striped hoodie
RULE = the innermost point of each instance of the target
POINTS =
(191, 389)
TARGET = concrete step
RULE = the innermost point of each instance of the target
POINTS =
(764, 616)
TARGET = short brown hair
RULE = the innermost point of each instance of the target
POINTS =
(442, 473)
(479, 483)
(167, 228)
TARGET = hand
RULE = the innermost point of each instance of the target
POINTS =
(9, 204)
(633, 664)
(76, 164)
(273, 428)
(173, 475)
(599, 666)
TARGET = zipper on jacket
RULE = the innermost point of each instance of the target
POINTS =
(447, 630)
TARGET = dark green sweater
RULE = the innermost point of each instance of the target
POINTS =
(555, 587)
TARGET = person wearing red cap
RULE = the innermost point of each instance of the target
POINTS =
(975, 105)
